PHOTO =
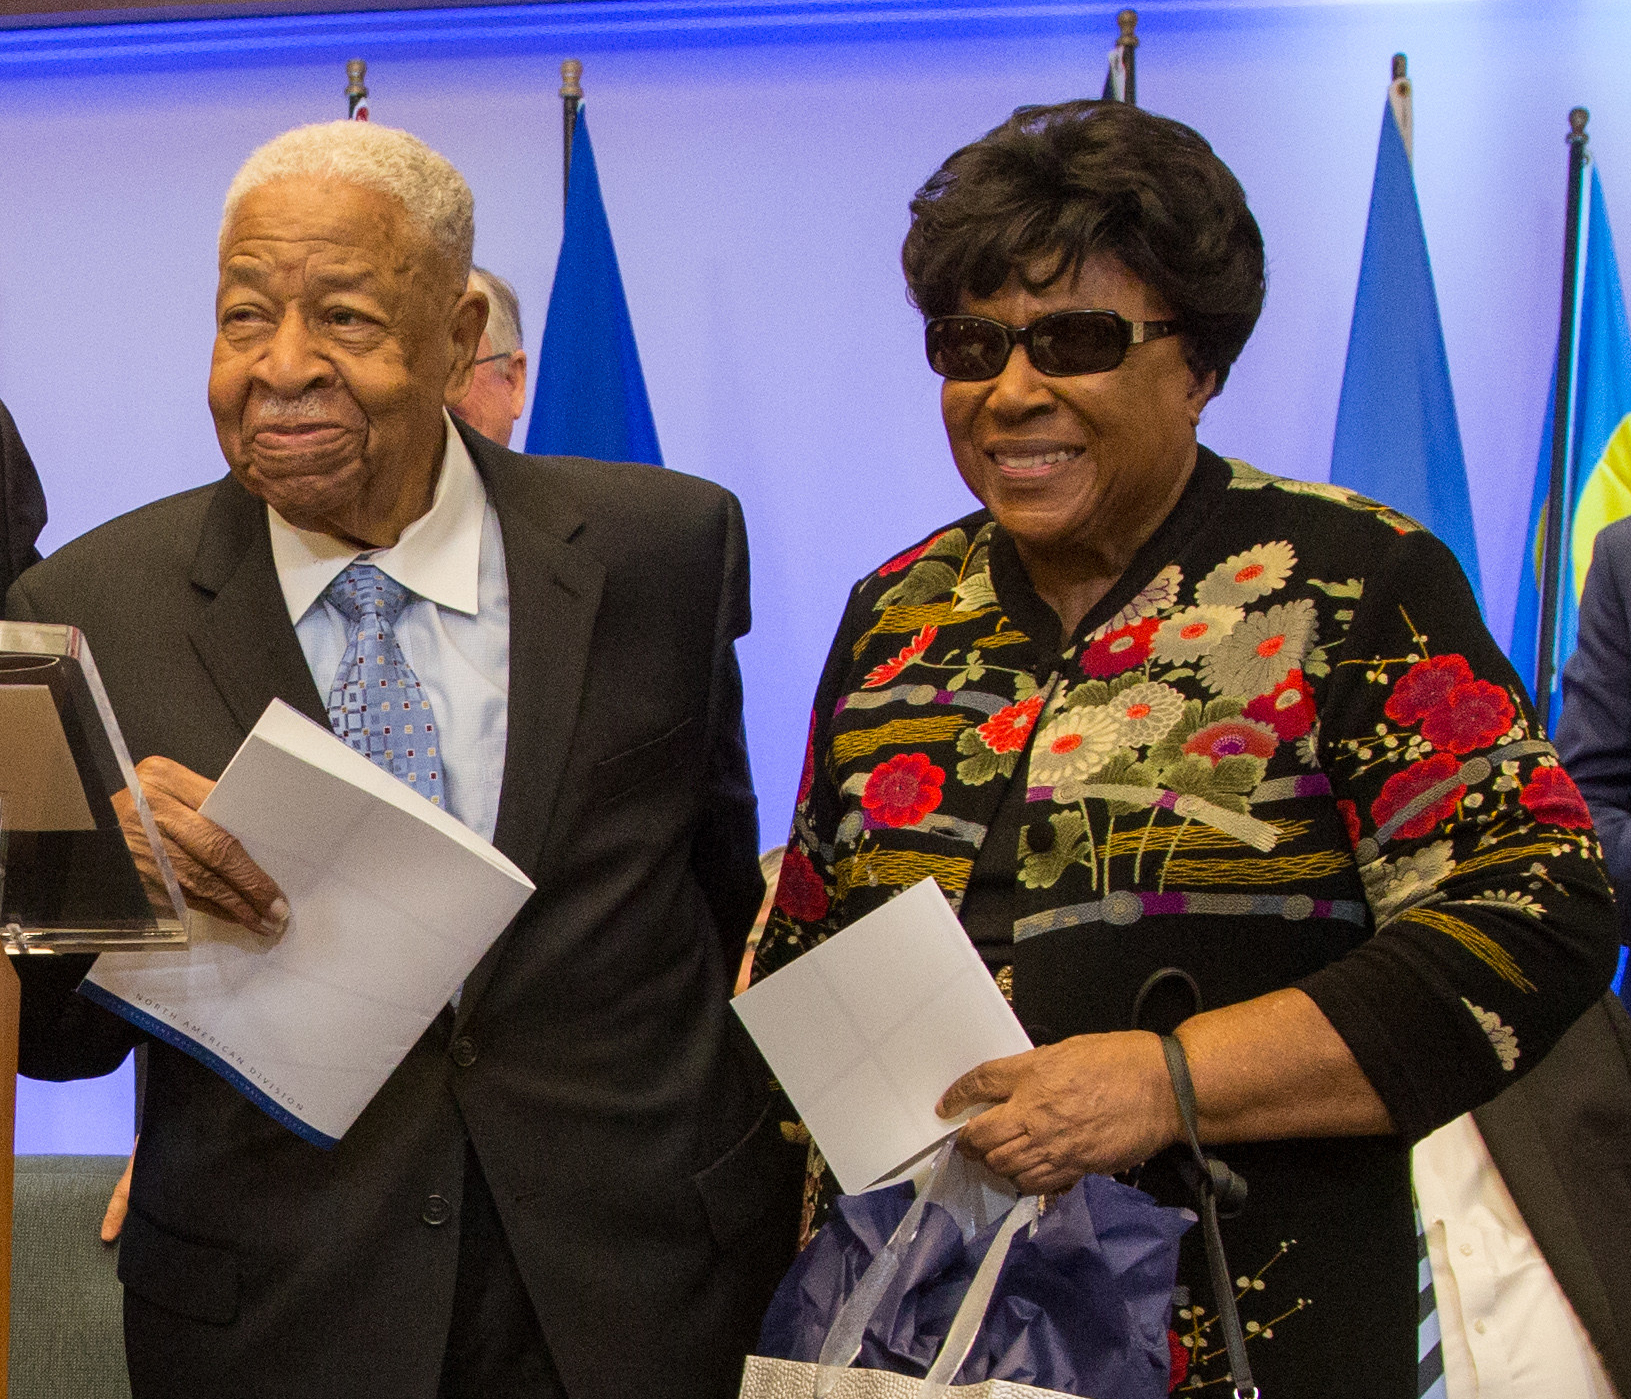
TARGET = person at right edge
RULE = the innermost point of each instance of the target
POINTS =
(1149, 708)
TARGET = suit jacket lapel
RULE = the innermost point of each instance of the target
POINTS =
(244, 637)
(555, 588)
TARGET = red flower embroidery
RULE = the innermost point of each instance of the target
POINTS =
(903, 790)
(1551, 796)
(800, 893)
(1233, 737)
(1350, 819)
(910, 557)
(1120, 650)
(1288, 708)
(807, 777)
(883, 674)
(1425, 686)
(1404, 787)
(1472, 715)
(1007, 729)
(1180, 1360)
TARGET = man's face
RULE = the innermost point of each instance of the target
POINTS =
(498, 389)
(340, 334)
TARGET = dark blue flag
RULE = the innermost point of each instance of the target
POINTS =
(1397, 440)
(591, 397)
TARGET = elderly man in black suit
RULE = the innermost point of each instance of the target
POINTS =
(573, 1184)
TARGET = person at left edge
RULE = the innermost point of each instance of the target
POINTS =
(571, 1185)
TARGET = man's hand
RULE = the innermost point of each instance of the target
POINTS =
(118, 1205)
(216, 875)
(1095, 1103)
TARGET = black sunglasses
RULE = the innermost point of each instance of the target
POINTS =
(1060, 344)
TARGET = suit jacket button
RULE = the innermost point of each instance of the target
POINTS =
(436, 1211)
(464, 1051)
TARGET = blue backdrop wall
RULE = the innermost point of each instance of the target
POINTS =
(756, 160)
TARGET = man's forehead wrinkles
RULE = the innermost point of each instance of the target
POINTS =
(324, 263)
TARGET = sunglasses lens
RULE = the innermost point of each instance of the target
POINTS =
(1078, 342)
(966, 347)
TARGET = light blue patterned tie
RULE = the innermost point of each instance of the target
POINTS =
(376, 703)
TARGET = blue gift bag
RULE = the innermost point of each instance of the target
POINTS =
(1079, 1303)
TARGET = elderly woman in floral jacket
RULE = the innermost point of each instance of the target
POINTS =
(1149, 708)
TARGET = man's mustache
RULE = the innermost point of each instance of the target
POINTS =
(268, 411)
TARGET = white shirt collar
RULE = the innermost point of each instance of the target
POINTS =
(438, 556)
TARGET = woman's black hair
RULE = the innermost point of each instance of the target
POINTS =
(1052, 186)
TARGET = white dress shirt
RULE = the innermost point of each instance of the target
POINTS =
(455, 631)
(1507, 1330)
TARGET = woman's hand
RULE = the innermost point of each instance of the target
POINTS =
(1267, 1068)
(1095, 1103)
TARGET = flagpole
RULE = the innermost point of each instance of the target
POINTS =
(1552, 558)
(1400, 96)
(356, 94)
(571, 95)
(1128, 44)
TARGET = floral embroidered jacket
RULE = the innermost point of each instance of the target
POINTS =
(1284, 751)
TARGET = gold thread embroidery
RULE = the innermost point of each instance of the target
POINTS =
(1282, 870)
(901, 868)
(1194, 837)
(848, 746)
(1481, 945)
(1506, 855)
(900, 620)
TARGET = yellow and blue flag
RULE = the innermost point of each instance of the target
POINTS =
(1597, 482)
(1397, 439)
(591, 396)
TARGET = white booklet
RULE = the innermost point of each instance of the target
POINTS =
(866, 1031)
(392, 903)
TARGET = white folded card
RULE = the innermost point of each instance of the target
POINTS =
(866, 1031)
(392, 903)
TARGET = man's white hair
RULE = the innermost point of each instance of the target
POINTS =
(382, 158)
(503, 311)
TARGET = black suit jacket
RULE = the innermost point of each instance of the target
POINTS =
(1561, 1139)
(618, 1111)
(1594, 729)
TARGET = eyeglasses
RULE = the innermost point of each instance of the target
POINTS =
(1060, 344)
(488, 359)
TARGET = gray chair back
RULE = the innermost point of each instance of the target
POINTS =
(67, 1329)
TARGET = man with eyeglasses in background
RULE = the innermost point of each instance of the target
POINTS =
(499, 389)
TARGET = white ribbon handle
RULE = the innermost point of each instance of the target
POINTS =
(848, 1330)
(843, 1341)
(965, 1326)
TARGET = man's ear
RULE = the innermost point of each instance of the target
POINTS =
(515, 371)
(469, 320)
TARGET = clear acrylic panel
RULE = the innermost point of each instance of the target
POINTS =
(82, 868)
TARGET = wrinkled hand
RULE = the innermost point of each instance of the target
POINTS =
(118, 1205)
(1095, 1103)
(216, 875)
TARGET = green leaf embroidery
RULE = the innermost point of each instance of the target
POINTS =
(1353, 588)
(927, 579)
(975, 592)
(1071, 846)
(953, 544)
(1089, 692)
(983, 764)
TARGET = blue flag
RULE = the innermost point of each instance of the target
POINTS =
(591, 396)
(1597, 482)
(1396, 438)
